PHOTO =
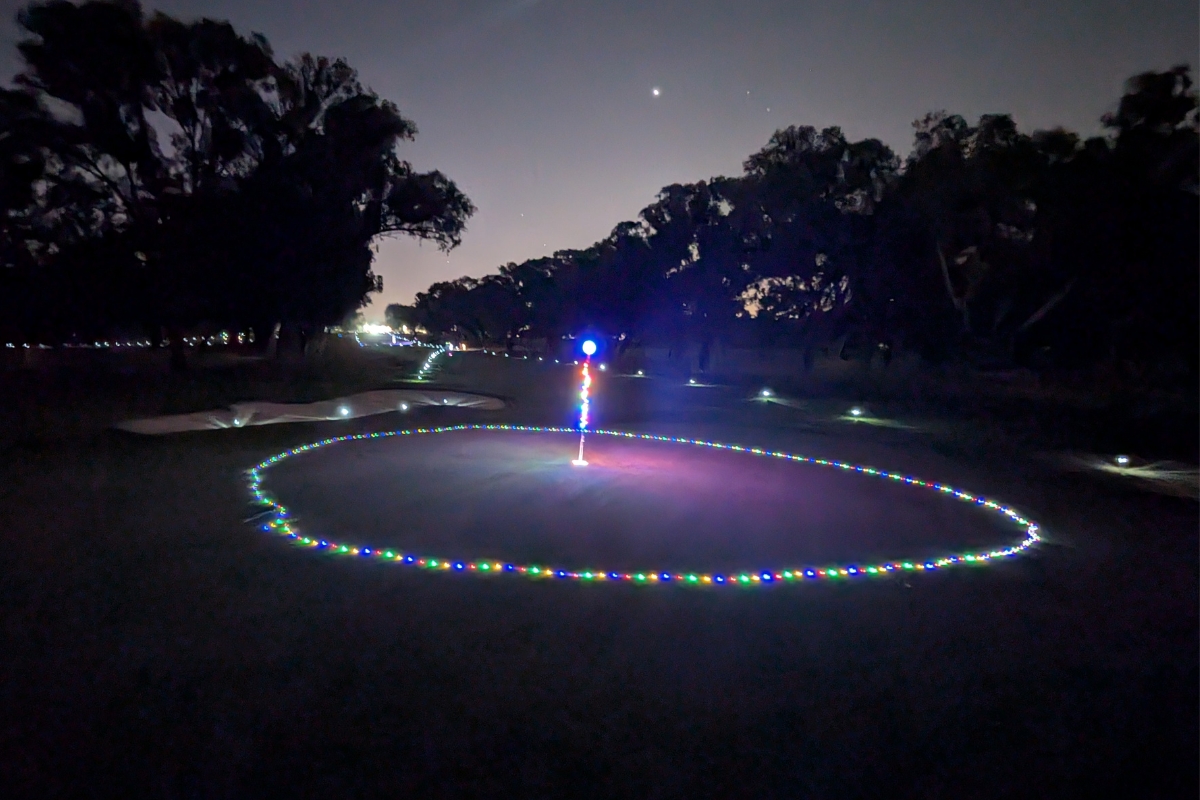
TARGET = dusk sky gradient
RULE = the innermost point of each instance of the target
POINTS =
(543, 111)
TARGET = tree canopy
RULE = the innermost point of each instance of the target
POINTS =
(157, 172)
(985, 243)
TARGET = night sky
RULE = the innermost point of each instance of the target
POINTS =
(545, 114)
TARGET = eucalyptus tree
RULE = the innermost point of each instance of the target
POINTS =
(203, 179)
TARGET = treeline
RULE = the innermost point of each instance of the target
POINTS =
(156, 174)
(986, 243)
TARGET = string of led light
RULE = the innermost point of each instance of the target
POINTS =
(281, 523)
(589, 347)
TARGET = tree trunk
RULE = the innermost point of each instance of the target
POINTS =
(176, 345)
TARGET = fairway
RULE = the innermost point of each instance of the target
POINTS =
(160, 645)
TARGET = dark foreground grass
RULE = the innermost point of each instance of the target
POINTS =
(154, 645)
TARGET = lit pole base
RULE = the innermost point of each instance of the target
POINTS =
(579, 462)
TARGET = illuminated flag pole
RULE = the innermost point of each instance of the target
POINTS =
(589, 348)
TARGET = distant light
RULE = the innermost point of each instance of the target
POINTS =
(589, 347)
(345, 412)
(655, 91)
(692, 381)
(856, 412)
(765, 393)
(640, 373)
(404, 406)
(1122, 460)
(603, 367)
(372, 327)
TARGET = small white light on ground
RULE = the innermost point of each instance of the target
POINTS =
(765, 393)
(691, 381)
(603, 367)
(404, 406)
(640, 373)
(856, 412)
(1122, 460)
(345, 412)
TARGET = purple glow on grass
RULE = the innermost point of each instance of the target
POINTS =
(283, 525)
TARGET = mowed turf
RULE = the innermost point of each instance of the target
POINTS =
(156, 645)
(637, 506)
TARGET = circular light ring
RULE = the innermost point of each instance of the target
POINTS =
(281, 524)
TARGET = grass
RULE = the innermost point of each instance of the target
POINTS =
(156, 646)
(76, 395)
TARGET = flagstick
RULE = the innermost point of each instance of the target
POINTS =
(589, 347)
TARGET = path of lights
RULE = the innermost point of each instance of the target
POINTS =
(281, 523)
(423, 372)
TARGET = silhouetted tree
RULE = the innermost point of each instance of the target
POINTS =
(201, 178)
(988, 244)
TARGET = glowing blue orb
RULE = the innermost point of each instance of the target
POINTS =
(589, 347)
